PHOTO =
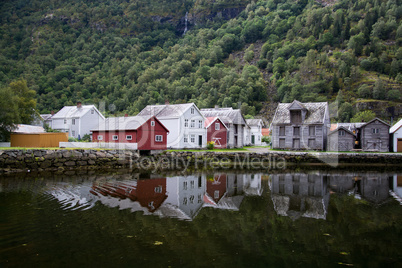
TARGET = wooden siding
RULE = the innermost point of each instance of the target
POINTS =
(375, 141)
(303, 137)
(341, 143)
(40, 140)
(218, 136)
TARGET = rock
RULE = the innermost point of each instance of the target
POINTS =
(69, 163)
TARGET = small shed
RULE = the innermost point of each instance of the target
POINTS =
(217, 131)
(374, 136)
(341, 139)
(40, 140)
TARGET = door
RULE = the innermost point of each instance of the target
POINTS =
(399, 145)
(252, 139)
(200, 140)
(296, 143)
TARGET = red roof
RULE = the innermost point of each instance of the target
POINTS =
(265, 131)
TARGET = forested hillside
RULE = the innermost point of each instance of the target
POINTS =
(130, 53)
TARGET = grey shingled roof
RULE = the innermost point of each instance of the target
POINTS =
(122, 123)
(254, 122)
(22, 128)
(315, 113)
(341, 128)
(227, 115)
(74, 111)
(166, 111)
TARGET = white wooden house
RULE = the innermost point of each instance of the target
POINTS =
(77, 121)
(396, 136)
(184, 122)
(253, 134)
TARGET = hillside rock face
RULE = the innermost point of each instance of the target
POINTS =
(382, 109)
(200, 18)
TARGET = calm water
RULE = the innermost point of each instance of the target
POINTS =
(226, 219)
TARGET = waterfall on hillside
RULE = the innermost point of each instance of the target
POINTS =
(185, 24)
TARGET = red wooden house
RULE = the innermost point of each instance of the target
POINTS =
(217, 131)
(146, 131)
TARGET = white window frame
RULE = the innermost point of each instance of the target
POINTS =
(199, 123)
(375, 130)
(185, 122)
(217, 126)
(342, 132)
(129, 137)
(192, 138)
(115, 137)
(152, 123)
(185, 138)
(159, 138)
(73, 121)
(73, 133)
(192, 110)
(100, 137)
(92, 111)
(65, 121)
(158, 189)
(192, 123)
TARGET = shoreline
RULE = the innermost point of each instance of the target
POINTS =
(28, 160)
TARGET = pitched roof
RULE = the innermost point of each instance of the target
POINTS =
(375, 119)
(348, 126)
(227, 115)
(341, 128)
(46, 116)
(74, 112)
(166, 111)
(395, 127)
(315, 112)
(254, 122)
(21, 128)
(122, 123)
(210, 120)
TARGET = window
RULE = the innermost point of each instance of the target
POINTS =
(341, 132)
(281, 143)
(216, 194)
(295, 117)
(185, 122)
(100, 137)
(158, 189)
(296, 143)
(192, 125)
(65, 121)
(376, 130)
(192, 138)
(192, 110)
(199, 123)
(185, 138)
(129, 137)
(311, 131)
(184, 185)
(92, 111)
(185, 201)
(115, 137)
(158, 138)
(192, 183)
(311, 143)
(73, 133)
(73, 122)
(217, 126)
(281, 131)
(296, 131)
(152, 123)
(191, 199)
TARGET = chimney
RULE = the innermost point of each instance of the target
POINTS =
(166, 102)
(79, 105)
(52, 113)
(125, 115)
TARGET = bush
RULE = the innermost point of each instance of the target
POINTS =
(210, 145)
(364, 91)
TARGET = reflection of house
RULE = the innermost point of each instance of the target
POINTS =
(396, 137)
(186, 196)
(216, 186)
(216, 131)
(255, 131)
(149, 193)
(184, 122)
(374, 136)
(299, 125)
(300, 194)
(235, 122)
(146, 131)
(341, 139)
(397, 186)
(77, 121)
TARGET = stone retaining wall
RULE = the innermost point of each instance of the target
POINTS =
(61, 159)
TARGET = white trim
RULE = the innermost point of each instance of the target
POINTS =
(129, 137)
(115, 137)
(157, 138)
(100, 138)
